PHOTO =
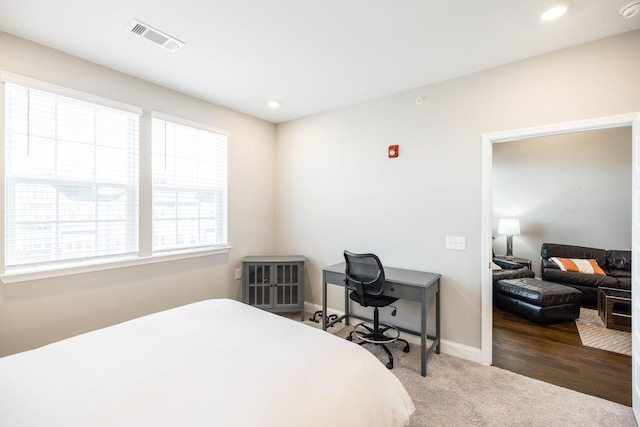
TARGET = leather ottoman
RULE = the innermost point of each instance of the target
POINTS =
(537, 300)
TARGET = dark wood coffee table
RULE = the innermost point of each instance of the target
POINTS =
(614, 308)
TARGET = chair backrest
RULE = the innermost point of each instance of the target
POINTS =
(364, 273)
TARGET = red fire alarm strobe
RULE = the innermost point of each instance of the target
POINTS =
(393, 151)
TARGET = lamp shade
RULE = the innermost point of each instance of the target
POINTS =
(509, 226)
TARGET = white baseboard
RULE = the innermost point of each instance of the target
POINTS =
(461, 351)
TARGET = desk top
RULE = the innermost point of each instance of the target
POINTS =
(395, 275)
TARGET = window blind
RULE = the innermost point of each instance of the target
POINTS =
(71, 178)
(189, 164)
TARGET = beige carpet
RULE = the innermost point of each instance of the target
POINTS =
(457, 392)
(594, 334)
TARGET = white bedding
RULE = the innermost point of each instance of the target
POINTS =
(211, 363)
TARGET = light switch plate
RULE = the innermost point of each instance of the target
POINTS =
(238, 273)
(458, 243)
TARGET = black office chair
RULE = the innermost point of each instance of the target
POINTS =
(365, 277)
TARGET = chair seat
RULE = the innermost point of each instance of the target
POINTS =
(373, 300)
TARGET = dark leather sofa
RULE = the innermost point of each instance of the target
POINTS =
(615, 263)
(509, 270)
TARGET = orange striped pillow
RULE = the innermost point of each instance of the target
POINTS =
(589, 266)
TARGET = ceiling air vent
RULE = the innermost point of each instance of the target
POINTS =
(156, 36)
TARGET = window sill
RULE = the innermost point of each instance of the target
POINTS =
(25, 275)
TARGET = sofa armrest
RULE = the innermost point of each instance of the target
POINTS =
(547, 263)
(507, 265)
(619, 260)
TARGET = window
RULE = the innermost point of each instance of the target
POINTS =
(71, 178)
(189, 163)
(72, 184)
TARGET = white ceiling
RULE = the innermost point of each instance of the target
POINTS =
(311, 55)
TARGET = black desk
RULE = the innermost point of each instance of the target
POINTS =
(400, 283)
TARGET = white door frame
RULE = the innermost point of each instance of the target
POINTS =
(635, 276)
(488, 140)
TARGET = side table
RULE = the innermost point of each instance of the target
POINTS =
(614, 308)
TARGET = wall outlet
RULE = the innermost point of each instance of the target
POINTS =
(458, 243)
(238, 273)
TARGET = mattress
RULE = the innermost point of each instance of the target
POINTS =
(211, 363)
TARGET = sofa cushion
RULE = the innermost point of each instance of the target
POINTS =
(578, 279)
(620, 273)
(624, 283)
(589, 266)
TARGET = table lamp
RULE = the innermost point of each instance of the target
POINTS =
(509, 227)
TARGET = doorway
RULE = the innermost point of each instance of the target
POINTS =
(487, 202)
(569, 189)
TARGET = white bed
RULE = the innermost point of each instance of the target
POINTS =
(211, 363)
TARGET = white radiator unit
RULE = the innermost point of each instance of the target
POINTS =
(156, 36)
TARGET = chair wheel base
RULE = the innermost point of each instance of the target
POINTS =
(317, 316)
(371, 337)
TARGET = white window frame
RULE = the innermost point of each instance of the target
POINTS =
(143, 257)
(221, 228)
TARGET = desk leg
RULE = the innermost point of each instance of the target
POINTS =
(438, 317)
(346, 306)
(423, 334)
(324, 302)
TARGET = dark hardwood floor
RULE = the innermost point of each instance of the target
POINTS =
(555, 354)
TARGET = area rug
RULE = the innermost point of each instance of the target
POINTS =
(594, 334)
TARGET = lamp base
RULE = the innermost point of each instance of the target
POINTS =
(509, 254)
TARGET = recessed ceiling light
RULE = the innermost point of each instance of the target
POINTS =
(630, 10)
(555, 10)
(273, 104)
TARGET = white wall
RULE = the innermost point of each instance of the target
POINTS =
(39, 312)
(572, 189)
(337, 190)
